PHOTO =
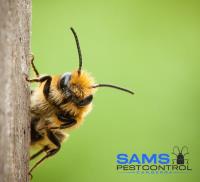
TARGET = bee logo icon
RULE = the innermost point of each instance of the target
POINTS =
(180, 154)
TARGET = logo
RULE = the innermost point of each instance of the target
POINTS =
(155, 163)
(180, 156)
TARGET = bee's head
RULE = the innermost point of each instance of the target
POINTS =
(79, 85)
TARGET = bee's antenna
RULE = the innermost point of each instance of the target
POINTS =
(79, 50)
(185, 147)
(176, 147)
(113, 86)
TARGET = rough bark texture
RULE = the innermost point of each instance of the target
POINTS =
(15, 17)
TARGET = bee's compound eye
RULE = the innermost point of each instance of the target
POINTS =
(64, 80)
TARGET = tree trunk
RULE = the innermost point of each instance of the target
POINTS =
(15, 18)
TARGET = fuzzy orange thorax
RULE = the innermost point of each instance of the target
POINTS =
(81, 84)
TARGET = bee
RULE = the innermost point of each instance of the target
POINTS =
(60, 104)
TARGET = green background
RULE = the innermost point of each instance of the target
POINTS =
(151, 47)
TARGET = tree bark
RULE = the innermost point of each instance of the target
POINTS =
(15, 18)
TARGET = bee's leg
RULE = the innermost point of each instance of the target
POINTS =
(36, 154)
(47, 85)
(33, 66)
(46, 88)
(51, 152)
(41, 79)
(64, 126)
(67, 125)
(67, 121)
(39, 152)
